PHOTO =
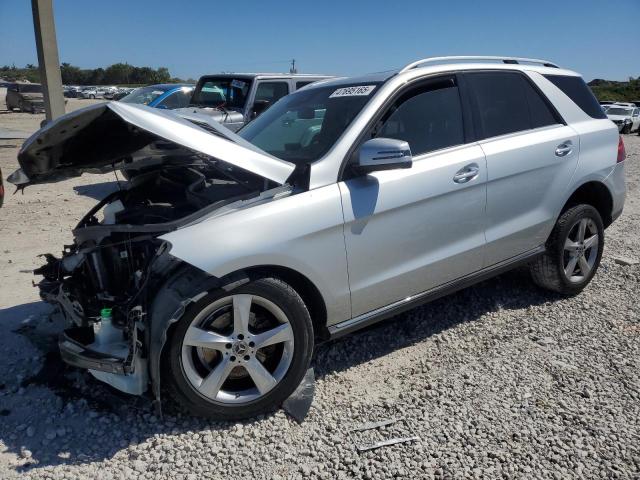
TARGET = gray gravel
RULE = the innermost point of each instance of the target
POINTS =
(501, 380)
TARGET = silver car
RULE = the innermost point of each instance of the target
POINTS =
(226, 256)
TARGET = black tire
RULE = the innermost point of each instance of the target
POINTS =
(21, 106)
(185, 393)
(626, 129)
(548, 270)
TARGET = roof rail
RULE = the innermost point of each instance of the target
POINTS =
(509, 60)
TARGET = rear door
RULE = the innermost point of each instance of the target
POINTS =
(531, 156)
(408, 231)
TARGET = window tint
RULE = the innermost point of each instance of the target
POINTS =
(429, 118)
(271, 91)
(299, 85)
(579, 92)
(507, 103)
(178, 99)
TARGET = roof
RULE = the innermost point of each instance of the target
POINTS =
(250, 76)
(447, 64)
(169, 86)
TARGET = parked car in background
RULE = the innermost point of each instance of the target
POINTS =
(626, 117)
(228, 256)
(167, 96)
(235, 99)
(26, 97)
(88, 92)
(121, 93)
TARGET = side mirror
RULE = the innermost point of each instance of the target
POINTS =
(259, 106)
(384, 154)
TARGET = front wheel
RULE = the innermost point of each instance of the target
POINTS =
(241, 353)
(574, 250)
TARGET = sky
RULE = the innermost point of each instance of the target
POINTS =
(599, 39)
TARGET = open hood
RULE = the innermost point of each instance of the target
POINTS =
(105, 136)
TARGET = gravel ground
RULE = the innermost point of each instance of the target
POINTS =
(501, 380)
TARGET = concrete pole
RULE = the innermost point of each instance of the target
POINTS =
(48, 60)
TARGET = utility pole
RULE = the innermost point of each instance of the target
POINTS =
(293, 66)
(48, 60)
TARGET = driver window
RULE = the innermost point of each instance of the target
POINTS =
(271, 91)
(429, 117)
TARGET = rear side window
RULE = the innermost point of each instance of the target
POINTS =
(507, 103)
(579, 92)
(299, 85)
(429, 118)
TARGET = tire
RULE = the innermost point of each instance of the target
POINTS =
(21, 106)
(219, 382)
(626, 129)
(560, 269)
(93, 97)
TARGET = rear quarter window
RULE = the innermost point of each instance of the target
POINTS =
(579, 93)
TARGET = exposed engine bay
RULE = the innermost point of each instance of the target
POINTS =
(109, 282)
(117, 261)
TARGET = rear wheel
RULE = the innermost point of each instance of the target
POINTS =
(241, 353)
(574, 250)
(626, 129)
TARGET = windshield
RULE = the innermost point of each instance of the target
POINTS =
(221, 92)
(303, 126)
(618, 111)
(30, 88)
(144, 95)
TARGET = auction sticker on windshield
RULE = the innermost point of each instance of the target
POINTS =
(360, 90)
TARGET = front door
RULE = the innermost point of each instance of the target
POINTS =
(410, 230)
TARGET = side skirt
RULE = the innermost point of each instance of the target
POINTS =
(413, 301)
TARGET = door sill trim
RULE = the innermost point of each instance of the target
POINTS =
(412, 301)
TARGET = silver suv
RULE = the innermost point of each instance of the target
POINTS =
(226, 256)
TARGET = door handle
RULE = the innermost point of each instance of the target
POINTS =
(466, 173)
(564, 149)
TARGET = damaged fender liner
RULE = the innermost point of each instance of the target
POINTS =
(171, 301)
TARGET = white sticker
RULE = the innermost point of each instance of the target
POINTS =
(360, 90)
(237, 83)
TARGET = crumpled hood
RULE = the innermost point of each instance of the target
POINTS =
(104, 136)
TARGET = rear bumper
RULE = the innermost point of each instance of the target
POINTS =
(616, 183)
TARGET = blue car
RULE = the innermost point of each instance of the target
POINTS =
(168, 95)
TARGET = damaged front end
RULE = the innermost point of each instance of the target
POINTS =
(109, 282)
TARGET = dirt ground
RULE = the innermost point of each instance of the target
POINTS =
(499, 381)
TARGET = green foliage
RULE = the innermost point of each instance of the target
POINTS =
(618, 91)
(116, 74)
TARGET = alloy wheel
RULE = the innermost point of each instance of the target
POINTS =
(580, 250)
(237, 349)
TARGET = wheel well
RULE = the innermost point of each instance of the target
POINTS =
(309, 293)
(595, 194)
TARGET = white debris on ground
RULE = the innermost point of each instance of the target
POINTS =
(499, 380)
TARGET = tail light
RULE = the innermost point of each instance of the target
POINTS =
(621, 151)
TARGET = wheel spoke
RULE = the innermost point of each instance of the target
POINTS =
(212, 383)
(261, 377)
(197, 337)
(279, 334)
(241, 312)
(571, 266)
(585, 268)
(582, 229)
(570, 245)
(590, 242)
